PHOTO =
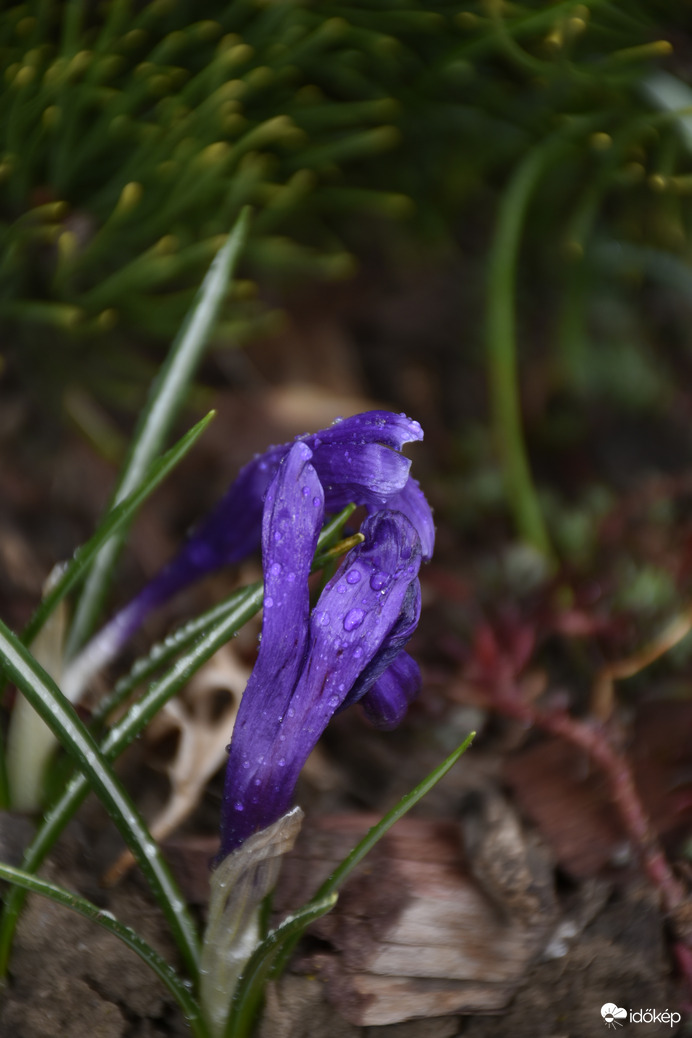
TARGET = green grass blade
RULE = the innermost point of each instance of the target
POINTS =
(343, 871)
(508, 428)
(116, 520)
(48, 701)
(154, 961)
(202, 638)
(159, 413)
(250, 989)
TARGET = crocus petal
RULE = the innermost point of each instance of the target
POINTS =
(366, 473)
(357, 461)
(392, 430)
(413, 503)
(387, 701)
(355, 616)
(391, 645)
(293, 517)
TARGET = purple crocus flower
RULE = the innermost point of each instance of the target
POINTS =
(349, 649)
(357, 460)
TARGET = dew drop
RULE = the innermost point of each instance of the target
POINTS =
(378, 580)
(341, 588)
(268, 602)
(291, 577)
(246, 763)
(275, 569)
(323, 619)
(353, 619)
(305, 491)
(353, 576)
(333, 702)
(281, 762)
(357, 652)
(316, 502)
(238, 806)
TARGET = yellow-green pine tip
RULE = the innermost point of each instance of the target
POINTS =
(25, 75)
(25, 26)
(166, 245)
(68, 245)
(130, 196)
(79, 63)
(207, 30)
(600, 141)
(107, 320)
(214, 153)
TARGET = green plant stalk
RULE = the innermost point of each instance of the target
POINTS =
(163, 970)
(259, 967)
(503, 374)
(48, 701)
(159, 413)
(232, 616)
(278, 945)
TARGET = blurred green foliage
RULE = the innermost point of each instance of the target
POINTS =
(133, 132)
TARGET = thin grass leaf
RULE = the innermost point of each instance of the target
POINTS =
(115, 521)
(159, 413)
(205, 638)
(250, 989)
(48, 701)
(343, 871)
(153, 960)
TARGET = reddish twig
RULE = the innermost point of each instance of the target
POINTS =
(592, 737)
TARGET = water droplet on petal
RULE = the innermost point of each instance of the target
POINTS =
(238, 806)
(268, 602)
(281, 762)
(341, 588)
(353, 619)
(316, 502)
(353, 576)
(357, 652)
(275, 569)
(333, 702)
(291, 577)
(322, 618)
(378, 580)
(305, 491)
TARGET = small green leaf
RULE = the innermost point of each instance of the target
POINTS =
(250, 989)
(161, 968)
(48, 701)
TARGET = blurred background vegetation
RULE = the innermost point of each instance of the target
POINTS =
(545, 146)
